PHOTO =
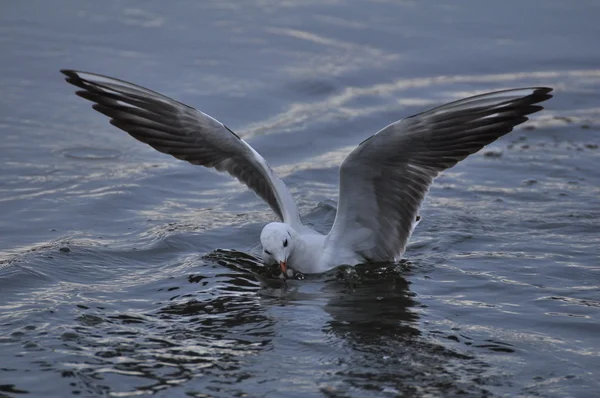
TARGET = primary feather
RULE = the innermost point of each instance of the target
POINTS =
(385, 179)
(185, 133)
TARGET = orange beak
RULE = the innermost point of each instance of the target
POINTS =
(283, 266)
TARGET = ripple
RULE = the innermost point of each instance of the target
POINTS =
(89, 153)
(142, 18)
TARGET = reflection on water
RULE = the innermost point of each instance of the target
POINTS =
(377, 318)
(376, 304)
(212, 327)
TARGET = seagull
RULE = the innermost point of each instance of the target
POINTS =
(382, 182)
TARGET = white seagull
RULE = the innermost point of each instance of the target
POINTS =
(382, 182)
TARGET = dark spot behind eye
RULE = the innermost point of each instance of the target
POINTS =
(285, 243)
(267, 252)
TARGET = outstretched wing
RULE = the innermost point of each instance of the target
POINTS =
(384, 180)
(179, 130)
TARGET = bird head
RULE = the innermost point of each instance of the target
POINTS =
(277, 243)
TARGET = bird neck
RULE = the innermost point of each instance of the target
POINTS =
(299, 244)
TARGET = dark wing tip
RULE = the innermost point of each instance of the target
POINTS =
(73, 78)
(71, 75)
(541, 94)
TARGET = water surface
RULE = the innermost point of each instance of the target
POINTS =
(122, 270)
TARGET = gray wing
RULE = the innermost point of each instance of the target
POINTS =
(384, 180)
(179, 130)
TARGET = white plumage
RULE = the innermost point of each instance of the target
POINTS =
(382, 182)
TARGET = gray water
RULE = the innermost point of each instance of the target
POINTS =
(124, 272)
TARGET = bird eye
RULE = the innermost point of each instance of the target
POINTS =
(267, 252)
(285, 243)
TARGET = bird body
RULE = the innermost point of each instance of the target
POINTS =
(382, 182)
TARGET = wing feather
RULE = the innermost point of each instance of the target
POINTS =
(385, 179)
(181, 131)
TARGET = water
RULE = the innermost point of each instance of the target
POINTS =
(111, 283)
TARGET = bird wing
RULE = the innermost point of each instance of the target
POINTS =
(181, 131)
(385, 179)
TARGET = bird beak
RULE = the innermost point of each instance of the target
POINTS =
(283, 266)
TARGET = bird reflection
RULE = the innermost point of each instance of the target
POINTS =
(374, 304)
(375, 316)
